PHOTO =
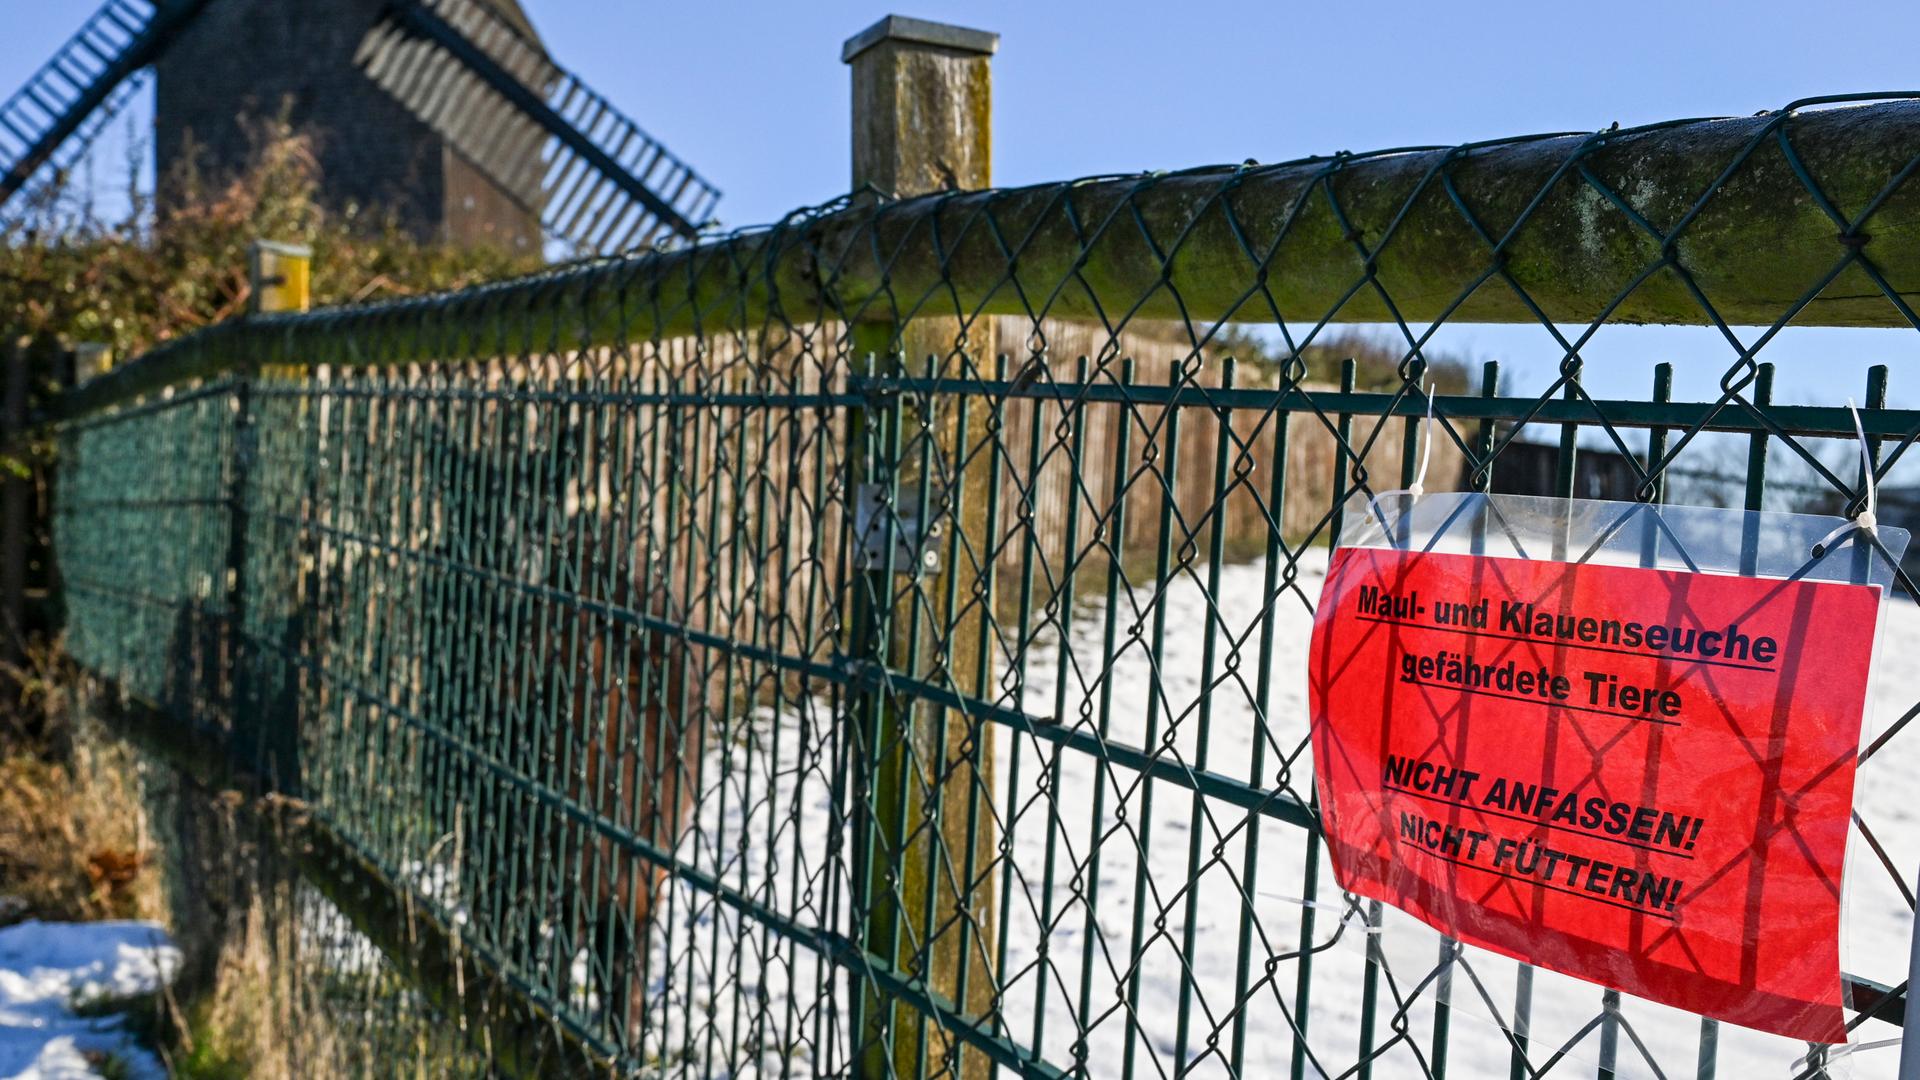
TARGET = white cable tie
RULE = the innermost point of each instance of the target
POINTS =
(1419, 485)
(1302, 901)
(1414, 490)
(1865, 520)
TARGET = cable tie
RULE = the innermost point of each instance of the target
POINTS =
(1865, 520)
(1414, 490)
(1419, 486)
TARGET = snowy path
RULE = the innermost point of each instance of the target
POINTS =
(47, 969)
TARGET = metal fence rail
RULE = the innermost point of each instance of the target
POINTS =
(763, 700)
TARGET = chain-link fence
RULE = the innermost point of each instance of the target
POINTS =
(875, 644)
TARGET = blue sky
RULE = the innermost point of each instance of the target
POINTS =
(755, 96)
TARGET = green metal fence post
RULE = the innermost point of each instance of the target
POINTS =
(17, 512)
(244, 715)
(14, 495)
(277, 276)
(921, 107)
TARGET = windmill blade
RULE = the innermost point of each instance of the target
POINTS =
(48, 123)
(598, 182)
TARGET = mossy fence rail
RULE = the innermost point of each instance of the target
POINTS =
(741, 685)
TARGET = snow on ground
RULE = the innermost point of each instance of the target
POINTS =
(725, 991)
(47, 970)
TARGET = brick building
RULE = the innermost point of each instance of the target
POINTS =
(243, 58)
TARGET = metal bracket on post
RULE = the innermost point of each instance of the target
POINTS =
(916, 544)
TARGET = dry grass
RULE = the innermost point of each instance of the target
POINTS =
(256, 1019)
(66, 852)
(80, 810)
(93, 826)
(74, 838)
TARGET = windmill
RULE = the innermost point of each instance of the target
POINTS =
(451, 113)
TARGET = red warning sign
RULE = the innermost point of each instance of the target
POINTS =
(1638, 777)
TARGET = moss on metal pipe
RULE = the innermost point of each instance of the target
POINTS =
(1730, 210)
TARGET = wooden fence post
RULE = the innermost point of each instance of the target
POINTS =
(921, 113)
